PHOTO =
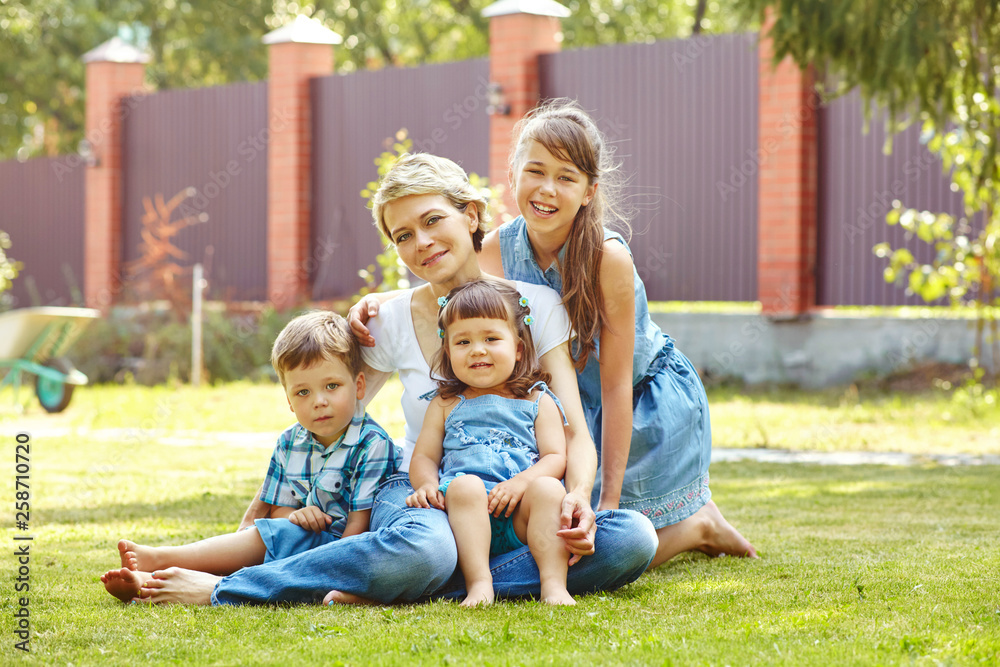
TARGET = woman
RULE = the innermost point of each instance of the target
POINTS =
(437, 221)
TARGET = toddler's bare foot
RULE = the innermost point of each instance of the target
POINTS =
(179, 586)
(722, 539)
(479, 593)
(340, 597)
(124, 584)
(558, 596)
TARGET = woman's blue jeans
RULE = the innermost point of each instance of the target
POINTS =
(409, 554)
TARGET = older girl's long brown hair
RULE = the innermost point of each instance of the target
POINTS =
(566, 131)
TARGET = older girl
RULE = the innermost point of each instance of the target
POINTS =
(645, 404)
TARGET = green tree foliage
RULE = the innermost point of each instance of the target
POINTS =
(8, 267)
(195, 43)
(935, 62)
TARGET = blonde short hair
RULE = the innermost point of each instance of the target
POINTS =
(426, 174)
(318, 335)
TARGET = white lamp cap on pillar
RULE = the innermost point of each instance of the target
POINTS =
(115, 50)
(303, 30)
(537, 7)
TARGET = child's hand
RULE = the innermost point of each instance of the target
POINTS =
(506, 494)
(426, 496)
(311, 518)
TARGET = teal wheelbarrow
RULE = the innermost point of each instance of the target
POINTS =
(33, 341)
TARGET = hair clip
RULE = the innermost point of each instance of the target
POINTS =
(529, 320)
(442, 301)
(441, 332)
(523, 302)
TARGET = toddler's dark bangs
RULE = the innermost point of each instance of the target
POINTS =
(470, 303)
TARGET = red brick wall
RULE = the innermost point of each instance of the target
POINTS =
(787, 195)
(289, 163)
(107, 84)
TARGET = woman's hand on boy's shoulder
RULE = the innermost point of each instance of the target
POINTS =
(358, 317)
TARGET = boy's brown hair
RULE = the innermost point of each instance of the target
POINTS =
(319, 335)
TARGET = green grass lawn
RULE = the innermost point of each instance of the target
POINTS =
(860, 565)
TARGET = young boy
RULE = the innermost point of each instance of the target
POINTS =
(321, 481)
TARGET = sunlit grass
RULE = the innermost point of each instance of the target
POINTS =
(841, 419)
(860, 565)
(844, 420)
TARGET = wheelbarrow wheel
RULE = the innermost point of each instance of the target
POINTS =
(54, 396)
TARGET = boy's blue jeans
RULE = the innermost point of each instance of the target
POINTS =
(409, 553)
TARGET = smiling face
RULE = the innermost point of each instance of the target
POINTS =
(433, 238)
(483, 351)
(323, 397)
(549, 191)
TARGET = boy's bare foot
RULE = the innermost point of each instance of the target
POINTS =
(135, 556)
(126, 551)
(721, 538)
(124, 584)
(340, 597)
(175, 585)
(480, 593)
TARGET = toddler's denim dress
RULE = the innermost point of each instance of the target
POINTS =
(666, 478)
(493, 438)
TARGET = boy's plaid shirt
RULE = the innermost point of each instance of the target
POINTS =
(337, 479)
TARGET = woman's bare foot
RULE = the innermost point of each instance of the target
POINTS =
(721, 538)
(558, 596)
(340, 597)
(175, 585)
(479, 593)
(124, 584)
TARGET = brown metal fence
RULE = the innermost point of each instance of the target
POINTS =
(213, 140)
(857, 185)
(442, 107)
(41, 208)
(683, 116)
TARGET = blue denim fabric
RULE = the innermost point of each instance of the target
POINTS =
(625, 544)
(519, 263)
(666, 477)
(407, 554)
(490, 436)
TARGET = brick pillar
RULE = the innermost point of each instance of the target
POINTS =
(114, 71)
(297, 52)
(787, 195)
(520, 31)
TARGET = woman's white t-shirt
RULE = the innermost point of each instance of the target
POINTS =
(396, 349)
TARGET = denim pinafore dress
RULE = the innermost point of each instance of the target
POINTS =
(666, 478)
(492, 437)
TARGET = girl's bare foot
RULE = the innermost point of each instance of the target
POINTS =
(340, 597)
(124, 584)
(479, 593)
(721, 538)
(175, 585)
(558, 597)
